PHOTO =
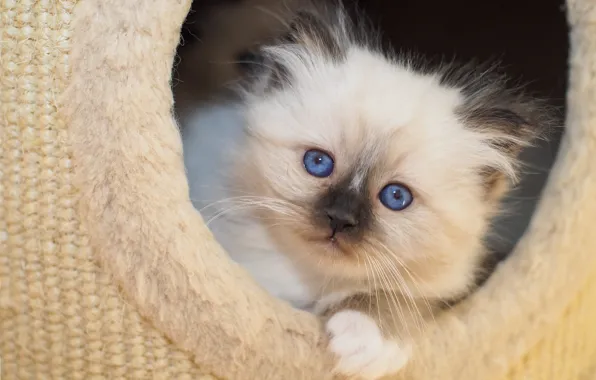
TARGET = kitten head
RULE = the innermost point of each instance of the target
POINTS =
(374, 167)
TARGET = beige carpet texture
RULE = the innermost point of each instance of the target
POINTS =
(107, 271)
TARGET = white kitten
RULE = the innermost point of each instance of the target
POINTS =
(355, 185)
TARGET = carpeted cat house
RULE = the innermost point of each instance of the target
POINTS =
(107, 271)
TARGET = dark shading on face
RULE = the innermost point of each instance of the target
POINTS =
(344, 211)
(311, 29)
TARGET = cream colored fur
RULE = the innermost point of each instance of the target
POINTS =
(135, 206)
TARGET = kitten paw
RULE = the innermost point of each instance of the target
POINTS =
(358, 343)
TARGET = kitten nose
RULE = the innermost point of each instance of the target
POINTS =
(341, 220)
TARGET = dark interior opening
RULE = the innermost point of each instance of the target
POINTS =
(529, 38)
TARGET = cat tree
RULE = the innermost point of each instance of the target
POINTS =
(91, 170)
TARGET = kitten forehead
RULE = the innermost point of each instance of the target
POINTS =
(363, 166)
(386, 112)
(358, 178)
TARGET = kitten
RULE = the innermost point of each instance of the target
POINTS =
(356, 184)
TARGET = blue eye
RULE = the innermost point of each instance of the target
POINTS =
(318, 163)
(396, 197)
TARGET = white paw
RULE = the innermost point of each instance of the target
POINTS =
(361, 350)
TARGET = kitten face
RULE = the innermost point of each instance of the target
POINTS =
(381, 123)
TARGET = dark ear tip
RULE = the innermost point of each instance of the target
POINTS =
(249, 61)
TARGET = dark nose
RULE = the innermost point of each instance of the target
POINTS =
(340, 220)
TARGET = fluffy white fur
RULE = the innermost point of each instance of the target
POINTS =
(361, 347)
(375, 116)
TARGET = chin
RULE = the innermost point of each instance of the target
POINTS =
(334, 257)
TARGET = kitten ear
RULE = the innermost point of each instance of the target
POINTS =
(507, 128)
(249, 61)
(506, 119)
(271, 74)
(315, 34)
(260, 71)
(321, 32)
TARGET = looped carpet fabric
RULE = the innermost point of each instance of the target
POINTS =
(107, 272)
(61, 317)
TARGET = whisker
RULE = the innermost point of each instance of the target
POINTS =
(375, 287)
(393, 302)
(368, 283)
(394, 261)
(405, 292)
(273, 14)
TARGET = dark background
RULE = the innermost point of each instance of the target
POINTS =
(528, 37)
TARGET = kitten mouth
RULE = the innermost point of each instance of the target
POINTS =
(324, 239)
(334, 241)
(330, 239)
